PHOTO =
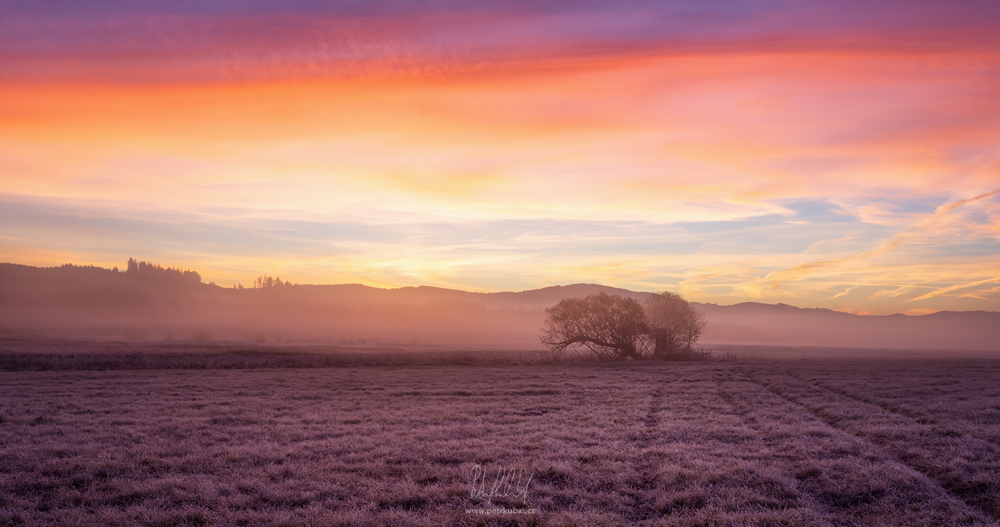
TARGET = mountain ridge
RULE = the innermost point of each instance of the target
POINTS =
(91, 300)
(545, 296)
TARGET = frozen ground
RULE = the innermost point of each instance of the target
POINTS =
(736, 443)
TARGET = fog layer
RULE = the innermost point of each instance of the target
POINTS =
(160, 303)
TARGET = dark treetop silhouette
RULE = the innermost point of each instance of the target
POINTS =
(617, 327)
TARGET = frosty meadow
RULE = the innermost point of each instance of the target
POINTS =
(642, 263)
(822, 442)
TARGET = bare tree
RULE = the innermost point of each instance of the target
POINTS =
(694, 323)
(664, 313)
(674, 324)
(609, 326)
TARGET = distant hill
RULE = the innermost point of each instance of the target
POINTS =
(780, 324)
(148, 301)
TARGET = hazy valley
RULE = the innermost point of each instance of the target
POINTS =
(89, 302)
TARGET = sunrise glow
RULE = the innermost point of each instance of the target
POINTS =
(754, 151)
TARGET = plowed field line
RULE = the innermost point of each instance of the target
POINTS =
(981, 496)
(916, 417)
(643, 495)
(808, 500)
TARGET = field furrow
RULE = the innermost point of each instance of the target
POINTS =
(962, 398)
(648, 444)
(967, 467)
(846, 476)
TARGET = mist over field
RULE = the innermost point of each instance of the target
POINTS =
(146, 397)
(421, 263)
(163, 304)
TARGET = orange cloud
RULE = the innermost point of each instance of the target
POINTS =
(681, 164)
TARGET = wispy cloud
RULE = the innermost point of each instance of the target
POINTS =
(956, 287)
(838, 154)
(842, 293)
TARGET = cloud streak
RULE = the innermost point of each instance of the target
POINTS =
(836, 154)
(109, 41)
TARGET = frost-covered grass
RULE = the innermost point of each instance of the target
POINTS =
(779, 443)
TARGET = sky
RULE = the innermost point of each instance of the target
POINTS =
(838, 154)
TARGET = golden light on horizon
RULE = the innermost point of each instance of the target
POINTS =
(838, 172)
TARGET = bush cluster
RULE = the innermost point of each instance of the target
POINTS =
(613, 327)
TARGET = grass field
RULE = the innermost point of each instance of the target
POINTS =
(734, 443)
